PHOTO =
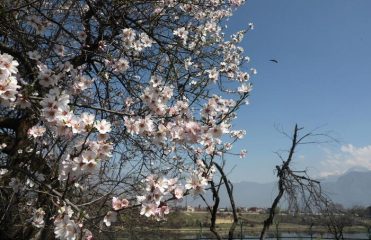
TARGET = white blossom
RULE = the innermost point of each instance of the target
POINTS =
(38, 218)
(65, 228)
(110, 217)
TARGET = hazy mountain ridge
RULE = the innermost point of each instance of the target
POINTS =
(350, 189)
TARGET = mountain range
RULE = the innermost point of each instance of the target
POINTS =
(353, 188)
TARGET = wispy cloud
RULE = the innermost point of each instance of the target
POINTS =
(349, 157)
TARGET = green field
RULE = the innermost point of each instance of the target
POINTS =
(194, 224)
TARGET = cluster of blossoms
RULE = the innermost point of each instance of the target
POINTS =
(156, 189)
(8, 80)
(117, 205)
(135, 42)
(67, 228)
(159, 190)
(57, 112)
(64, 122)
(157, 95)
(182, 33)
(47, 78)
(181, 129)
(36, 131)
(85, 163)
(199, 178)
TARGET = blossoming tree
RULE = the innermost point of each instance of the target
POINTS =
(113, 105)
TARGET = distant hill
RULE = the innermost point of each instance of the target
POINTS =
(350, 189)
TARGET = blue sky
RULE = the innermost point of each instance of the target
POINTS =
(322, 79)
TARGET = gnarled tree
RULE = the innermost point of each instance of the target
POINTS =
(108, 105)
(300, 191)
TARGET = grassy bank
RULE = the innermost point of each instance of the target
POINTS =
(183, 225)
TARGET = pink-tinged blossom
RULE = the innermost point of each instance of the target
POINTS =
(8, 82)
(128, 37)
(4, 74)
(128, 102)
(244, 88)
(192, 131)
(182, 33)
(110, 218)
(38, 218)
(8, 90)
(243, 76)
(46, 77)
(104, 150)
(131, 126)
(238, 134)
(160, 135)
(178, 192)
(243, 153)
(133, 41)
(161, 211)
(213, 74)
(103, 126)
(64, 131)
(218, 130)
(82, 83)
(55, 108)
(156, 195)
(171, 182)
(36, 131)
(89, 161)
(196, 183)
(145, 40)
(156, 81)
(145, 125)
(88, 235)
(118, 204)
(65, 210)
(7, 63)
(188, 63)
(141, 199)
(87, 118)
(65, 228)
(148, 209)
(77, 125)
(121, 65)
(228, 146)
(89, 166)
(162, 184)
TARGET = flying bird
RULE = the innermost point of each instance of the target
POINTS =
(274, 60)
